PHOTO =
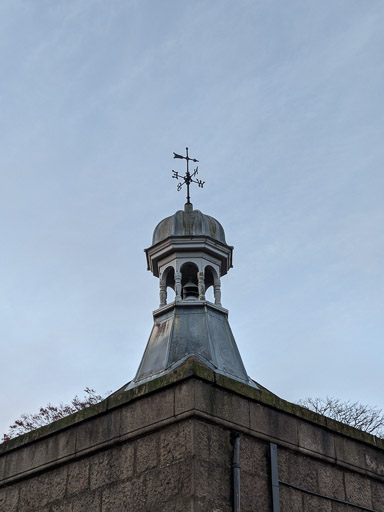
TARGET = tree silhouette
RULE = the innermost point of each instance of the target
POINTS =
(363, 417)
(50, 413)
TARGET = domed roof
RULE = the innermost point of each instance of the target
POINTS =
(188, 222)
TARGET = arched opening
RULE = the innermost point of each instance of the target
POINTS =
(167, 281)
(170, 283)
(189, 281)
(209, 282)
(212, 285)
(169, 278)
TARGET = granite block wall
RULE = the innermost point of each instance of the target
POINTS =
(170, 449)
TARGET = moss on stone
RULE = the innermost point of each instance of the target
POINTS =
(191, 368)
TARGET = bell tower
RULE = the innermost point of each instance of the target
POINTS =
(189, 254)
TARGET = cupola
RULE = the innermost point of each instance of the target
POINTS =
(189, 254)
(189, 251)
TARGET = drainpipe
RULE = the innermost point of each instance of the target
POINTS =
(235, 439)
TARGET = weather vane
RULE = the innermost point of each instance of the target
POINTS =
(188, 178)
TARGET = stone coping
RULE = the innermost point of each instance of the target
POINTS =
(192, 367)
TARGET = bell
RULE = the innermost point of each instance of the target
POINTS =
(190, 291)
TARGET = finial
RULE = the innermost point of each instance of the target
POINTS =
(188, 178)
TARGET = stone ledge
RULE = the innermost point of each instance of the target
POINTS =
(191, 368)
(37, 458)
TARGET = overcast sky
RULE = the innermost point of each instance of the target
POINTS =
(282, 103)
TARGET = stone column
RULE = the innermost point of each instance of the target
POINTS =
(217, 293)
(201, 285)
(163, 294)
(178, 286)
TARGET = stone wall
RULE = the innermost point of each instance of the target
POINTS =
(167, 446)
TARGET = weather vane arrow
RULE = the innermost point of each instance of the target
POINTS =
(188, 178)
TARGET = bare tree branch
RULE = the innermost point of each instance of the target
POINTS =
(363, 417)
(50, 413)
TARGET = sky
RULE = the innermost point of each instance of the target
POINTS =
(281, 103)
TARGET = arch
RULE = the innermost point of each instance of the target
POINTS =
(167, 280)
(189, 272)
(168, 277)
(189, 280)
(212, 278)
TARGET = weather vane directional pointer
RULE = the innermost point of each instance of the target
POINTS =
(188, 178)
